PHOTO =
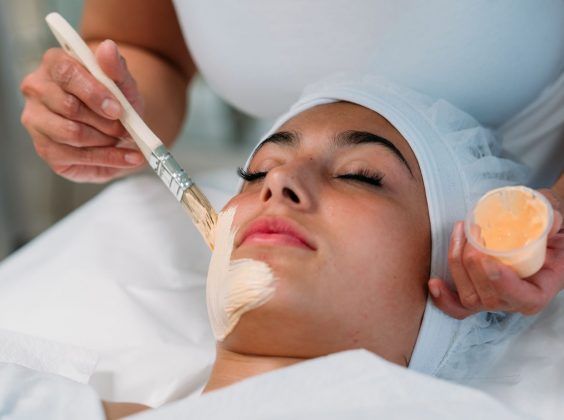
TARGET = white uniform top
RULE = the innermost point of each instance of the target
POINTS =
(490, 58)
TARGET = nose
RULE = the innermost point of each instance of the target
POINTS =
(291, 185)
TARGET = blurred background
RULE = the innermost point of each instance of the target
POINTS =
(215, 137)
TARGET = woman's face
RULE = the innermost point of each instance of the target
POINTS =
(334, 203)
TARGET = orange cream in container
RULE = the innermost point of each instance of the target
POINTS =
(511, 224)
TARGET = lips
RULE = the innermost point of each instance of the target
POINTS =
(276, 231)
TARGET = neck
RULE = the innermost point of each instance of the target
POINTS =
(231, 367)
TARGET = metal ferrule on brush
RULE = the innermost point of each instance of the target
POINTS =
(171, 173)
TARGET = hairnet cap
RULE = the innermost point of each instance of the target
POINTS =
(459, 163)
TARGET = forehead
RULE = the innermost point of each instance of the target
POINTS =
(341, 116)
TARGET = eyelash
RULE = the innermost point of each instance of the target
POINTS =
(366, 176)
(363, 175)
(249, 176)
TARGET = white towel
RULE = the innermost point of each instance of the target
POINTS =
(36, 353)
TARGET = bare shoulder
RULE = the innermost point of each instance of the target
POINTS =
(117, 410)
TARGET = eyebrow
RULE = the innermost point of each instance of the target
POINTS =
(344, 139)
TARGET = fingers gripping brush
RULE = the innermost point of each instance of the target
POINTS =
(165, 166)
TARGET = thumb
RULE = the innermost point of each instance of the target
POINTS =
(115, 67)
(558, 208)
(447, 300)
(556, 224)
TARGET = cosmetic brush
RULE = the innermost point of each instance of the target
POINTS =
(160, 159)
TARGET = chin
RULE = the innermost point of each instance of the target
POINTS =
(289, 265)
(281, 329)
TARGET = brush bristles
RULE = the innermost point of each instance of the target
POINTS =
(202, 213)
(234, 287)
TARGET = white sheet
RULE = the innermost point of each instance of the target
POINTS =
(123, 276)
(530, 377)
(27, 394)
(349, 385)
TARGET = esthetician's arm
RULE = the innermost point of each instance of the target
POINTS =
(71, 117)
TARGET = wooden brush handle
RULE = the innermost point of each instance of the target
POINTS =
(178, 182)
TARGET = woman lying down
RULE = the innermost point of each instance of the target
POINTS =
(346, 210)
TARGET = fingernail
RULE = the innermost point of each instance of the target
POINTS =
(111, 108)
(435, 291)
(133, 158)
(115, 47)
(118, 56)
(491, 269)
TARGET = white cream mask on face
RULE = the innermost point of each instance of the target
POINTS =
(233, 287)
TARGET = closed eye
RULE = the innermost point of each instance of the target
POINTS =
(364, 175)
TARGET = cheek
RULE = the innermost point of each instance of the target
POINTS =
(246, 205)
(379, 245)
(379, 260)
